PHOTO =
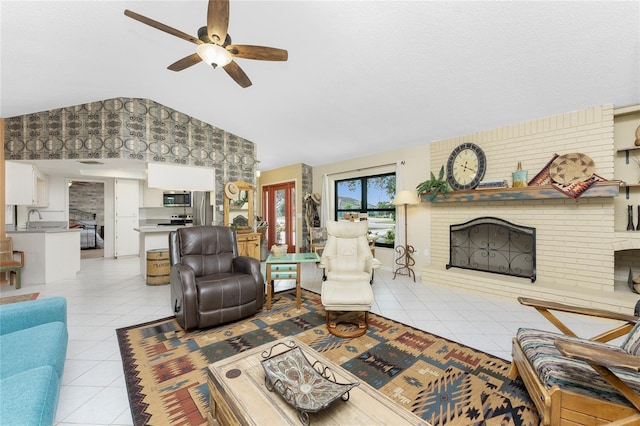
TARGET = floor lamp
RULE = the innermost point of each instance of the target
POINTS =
(405, 261)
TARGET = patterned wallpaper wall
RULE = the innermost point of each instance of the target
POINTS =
(130, 128)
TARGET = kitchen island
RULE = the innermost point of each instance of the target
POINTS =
(50, 254)
(153, 237)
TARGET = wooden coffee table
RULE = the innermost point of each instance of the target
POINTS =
(239, 396)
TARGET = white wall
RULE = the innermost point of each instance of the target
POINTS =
(415, 170)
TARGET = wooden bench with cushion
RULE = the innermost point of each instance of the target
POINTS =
(575, 380)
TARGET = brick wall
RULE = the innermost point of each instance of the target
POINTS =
(575, 238)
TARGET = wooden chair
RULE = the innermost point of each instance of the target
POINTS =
(8, 262)
(575, 380)
(317, 239)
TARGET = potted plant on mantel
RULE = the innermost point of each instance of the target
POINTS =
(434, 186)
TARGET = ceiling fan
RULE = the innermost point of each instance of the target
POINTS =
(214, 44)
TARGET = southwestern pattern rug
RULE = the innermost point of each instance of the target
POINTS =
(441, 381)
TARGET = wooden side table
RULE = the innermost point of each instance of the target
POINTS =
(286, 267)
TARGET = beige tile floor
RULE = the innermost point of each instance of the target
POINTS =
(109, 293)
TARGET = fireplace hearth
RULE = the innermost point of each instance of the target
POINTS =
(491, 244)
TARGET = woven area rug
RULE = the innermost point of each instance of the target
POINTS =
(441, 381)
(20, 298)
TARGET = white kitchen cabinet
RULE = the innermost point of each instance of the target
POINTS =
(42, 190)
(180, 178)
(50, 255)
(127, 203)
(151, 197)
(25, 185)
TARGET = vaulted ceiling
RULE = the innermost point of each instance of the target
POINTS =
(362, 76)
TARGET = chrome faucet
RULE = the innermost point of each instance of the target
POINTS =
(29, 216)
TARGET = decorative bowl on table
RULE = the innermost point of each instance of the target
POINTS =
(279, 250)
(307, 387)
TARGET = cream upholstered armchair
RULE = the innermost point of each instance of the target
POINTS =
(348, 265)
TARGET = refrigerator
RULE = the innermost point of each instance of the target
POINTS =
(202, 202)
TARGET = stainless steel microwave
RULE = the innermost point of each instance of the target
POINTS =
(176, 199)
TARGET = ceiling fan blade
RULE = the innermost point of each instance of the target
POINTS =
(218, 20)
(162, 27)
(236, 73)
(260, 53)
(185, 62)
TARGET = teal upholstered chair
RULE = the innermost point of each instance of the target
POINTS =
(33, 347)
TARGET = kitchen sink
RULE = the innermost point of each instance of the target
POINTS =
(46, 225)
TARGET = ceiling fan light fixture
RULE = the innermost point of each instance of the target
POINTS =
(213, 54)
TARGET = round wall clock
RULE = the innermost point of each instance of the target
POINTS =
(466, 166)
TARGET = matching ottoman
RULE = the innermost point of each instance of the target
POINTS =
(344, 296)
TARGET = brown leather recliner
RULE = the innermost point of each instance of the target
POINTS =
(210, 283)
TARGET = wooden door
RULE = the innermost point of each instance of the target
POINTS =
(279, 208)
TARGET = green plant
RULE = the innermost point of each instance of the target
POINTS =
(434, 186)
(390, 236)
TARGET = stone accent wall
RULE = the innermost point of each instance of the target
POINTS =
(575, 238)
(306, 187)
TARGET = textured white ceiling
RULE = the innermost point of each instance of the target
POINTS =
(362, 76)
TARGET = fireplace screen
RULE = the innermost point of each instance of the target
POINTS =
(493, 245)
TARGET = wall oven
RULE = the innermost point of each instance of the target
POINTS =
(176, 199)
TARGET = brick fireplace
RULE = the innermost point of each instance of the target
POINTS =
(578, 244)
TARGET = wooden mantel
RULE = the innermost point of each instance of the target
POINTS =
(600, 189)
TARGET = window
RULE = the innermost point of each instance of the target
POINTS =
(369, 197)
